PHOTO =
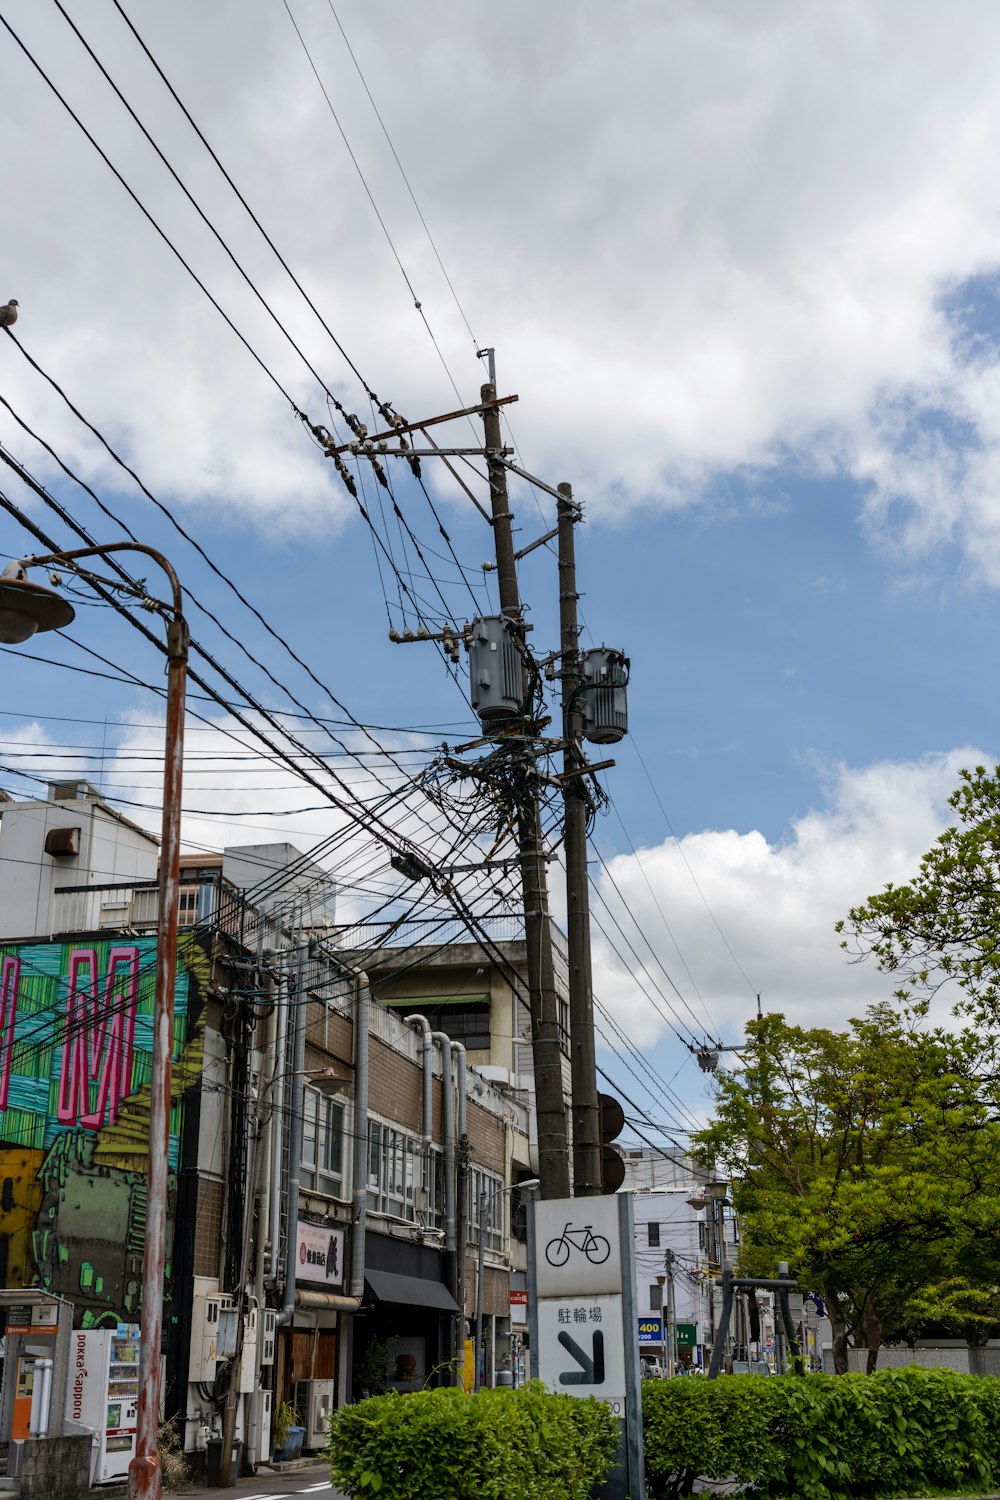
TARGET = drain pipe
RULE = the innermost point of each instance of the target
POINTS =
(295, 1093)
(277, 1121)
(462, 1195)
(427, 1096)
(448, 1130)
(359, 1200)
(458, 1048)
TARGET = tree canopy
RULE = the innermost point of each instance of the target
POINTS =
(868, 1160)
(945, 924)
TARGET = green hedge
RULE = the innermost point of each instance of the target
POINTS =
(496, 1445)
(847, 1437)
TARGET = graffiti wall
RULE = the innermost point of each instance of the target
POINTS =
(76, 1036)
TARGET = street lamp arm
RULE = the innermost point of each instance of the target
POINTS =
(99, 551)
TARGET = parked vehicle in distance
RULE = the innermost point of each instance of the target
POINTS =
(652, 1368)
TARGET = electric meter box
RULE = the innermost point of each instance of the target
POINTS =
(604, 700)
(494, 669)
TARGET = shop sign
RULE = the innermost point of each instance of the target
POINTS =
(686, 1335)
(319, 1254)
(650, 1330)
(518, 1307)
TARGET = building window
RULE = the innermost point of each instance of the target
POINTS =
(488, 1182)
(653, 1236)
(403, 1181)
(656, 1297)
(322, 1143)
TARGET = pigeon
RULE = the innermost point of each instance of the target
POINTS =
(8, 314)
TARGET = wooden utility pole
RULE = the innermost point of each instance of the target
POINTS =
(546, 1051)
(586, 1118)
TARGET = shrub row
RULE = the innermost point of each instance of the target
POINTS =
(496, 1445)
(847, 1437)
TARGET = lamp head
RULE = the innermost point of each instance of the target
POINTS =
(27, 608)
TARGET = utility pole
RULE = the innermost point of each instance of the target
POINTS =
(546, 1052)
(670, 1316)
(577, 803)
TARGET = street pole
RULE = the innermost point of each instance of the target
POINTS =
(145, 1480)
(480, 1272)
(576, 802)
(546, 1052)
(670, 1323)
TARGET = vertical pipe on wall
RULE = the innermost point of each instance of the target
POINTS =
(359, 1184)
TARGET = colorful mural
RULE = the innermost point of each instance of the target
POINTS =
(76, 1033)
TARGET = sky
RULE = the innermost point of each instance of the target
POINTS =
(741, 267)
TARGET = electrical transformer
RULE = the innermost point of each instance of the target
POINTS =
(605, 703)
(494, 669)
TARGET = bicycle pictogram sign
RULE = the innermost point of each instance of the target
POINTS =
(594, 1246)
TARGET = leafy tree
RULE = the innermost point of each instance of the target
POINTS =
(945, 924)
(868, 1160)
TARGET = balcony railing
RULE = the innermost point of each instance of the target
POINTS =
(128, 907)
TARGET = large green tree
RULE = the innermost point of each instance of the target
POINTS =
(868, 1160)
(944, 925)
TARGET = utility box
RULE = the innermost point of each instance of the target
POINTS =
(604, 700)
(206, 1317)
(314, 1401)
(495, 674)
(268, 1323)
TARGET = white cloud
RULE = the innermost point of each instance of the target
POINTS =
(705, 238)
(775, 903)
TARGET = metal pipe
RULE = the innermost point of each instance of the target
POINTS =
(461, 1196)
(278, 1115)
(359, 1185)
(297, 1089)
(458, 1048)
(448, 1128)
(427, 1096)
(145, 1480)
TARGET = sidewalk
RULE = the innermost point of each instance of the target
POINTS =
(301, 1477)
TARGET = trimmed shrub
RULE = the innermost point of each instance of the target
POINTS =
(491, 1446)
(848, 1437)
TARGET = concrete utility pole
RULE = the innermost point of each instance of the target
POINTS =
(553, 1143)
(576, 802)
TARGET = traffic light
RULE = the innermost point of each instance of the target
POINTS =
(612, 1118)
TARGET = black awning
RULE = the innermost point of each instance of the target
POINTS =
(387, 1286)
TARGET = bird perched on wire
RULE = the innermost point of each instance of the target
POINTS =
(8, 314)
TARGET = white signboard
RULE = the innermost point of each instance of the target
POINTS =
(578, 1246)
(581, 1347)
(319, 1254)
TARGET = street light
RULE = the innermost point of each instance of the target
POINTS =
(485, 1199)
(25, 609)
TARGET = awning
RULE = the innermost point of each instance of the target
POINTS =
(387, 1286)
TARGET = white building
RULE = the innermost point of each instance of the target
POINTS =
(61, 859)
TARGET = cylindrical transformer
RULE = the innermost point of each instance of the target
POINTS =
(494, 669)
(605, 703)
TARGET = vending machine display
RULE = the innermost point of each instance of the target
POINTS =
(103, 1394)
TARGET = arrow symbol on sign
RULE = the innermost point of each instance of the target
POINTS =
(591, 1371)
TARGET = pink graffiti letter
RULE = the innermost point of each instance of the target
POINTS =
(96, 1072)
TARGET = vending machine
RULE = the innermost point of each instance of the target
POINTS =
(103, 1394)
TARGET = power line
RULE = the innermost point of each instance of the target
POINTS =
(148, 216)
